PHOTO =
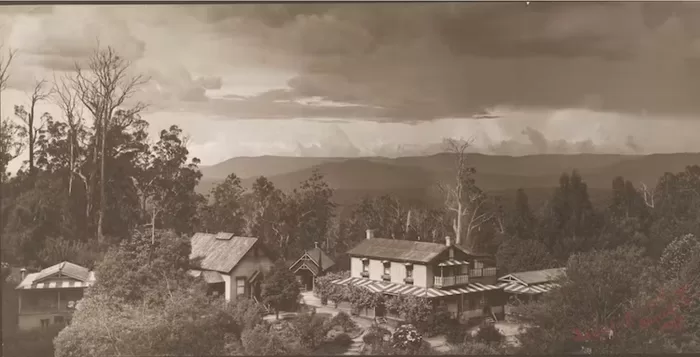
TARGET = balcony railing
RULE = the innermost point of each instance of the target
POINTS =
(477, 273)
(443, 281)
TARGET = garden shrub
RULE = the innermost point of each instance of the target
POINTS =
(325, 290)
(440, 322)
(342, 340)
(375, 334)
(312, 329)
(407, 339)
(418, 311)
(475, 348)
(344, 320)
(488, 333)
(456, 332)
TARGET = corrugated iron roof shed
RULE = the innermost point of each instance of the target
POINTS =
(396, 249)
(539, 276)
(218, 254)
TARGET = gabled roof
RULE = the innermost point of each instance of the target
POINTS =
(65, 269)
(536, 276)
(317, 261)
(220, 255)
(321, 259)
(397, 249)
(81, 277)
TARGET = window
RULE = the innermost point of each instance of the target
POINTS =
(409, 274)
(44, 323)
(240, 286)
(387, 268)
(365, 268)
(58, 320)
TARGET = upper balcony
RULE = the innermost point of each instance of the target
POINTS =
(462, 279)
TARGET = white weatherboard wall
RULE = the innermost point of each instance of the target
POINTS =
(355, 267)
(245, 268)
(422, 275)
(376, 269)
(227, 286)
(398, 272)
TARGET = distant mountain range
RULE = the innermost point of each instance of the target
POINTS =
(416, 177)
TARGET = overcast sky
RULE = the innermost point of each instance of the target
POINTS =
(389, 79)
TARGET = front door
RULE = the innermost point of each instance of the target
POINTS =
(308, 280)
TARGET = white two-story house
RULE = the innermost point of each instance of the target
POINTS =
(444, 273)
(50, 296)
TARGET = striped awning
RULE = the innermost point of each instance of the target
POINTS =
(405, 289)
(57, 285)
(453, 262)
(353, 281)
(515, 288)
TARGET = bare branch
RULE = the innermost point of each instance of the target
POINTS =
(5, 63)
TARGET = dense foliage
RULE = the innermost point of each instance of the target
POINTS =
(280, 289)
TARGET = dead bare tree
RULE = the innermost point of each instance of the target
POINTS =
(103, 88)
(33, 126)
(463, 197)
(67, 99)
(648, 195)
(9, 148)
(5, 63)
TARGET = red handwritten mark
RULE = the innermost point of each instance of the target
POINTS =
(676, 324)
(580, 336)
(645, 323)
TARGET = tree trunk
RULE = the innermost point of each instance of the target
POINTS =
(408, 223)
(71, 164)
(31, 137)
(153, 226)
(103, 203)
(458, 225)
(93, 173)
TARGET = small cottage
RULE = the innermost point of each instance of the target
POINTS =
(231, 266)
(312, 264)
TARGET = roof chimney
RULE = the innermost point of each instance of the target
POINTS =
(370, 233)
(448, 241)
(23, 273)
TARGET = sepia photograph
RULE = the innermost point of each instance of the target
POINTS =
(349, 178)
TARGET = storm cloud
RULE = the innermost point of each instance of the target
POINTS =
(424, 61)
(409, 62)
